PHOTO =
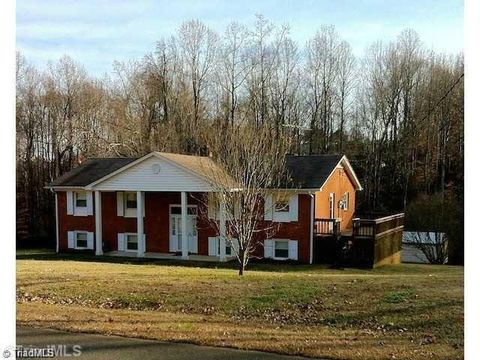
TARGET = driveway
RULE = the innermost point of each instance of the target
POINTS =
(117, 348)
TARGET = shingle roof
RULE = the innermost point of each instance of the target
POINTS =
(90, 171)
(311, 171)
(202, 165)
(306, 172)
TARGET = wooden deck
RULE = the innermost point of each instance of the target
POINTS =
(370, 242)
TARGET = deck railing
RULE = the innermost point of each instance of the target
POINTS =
(326, 226)
(375, 228)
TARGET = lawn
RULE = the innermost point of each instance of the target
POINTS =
(402, 312)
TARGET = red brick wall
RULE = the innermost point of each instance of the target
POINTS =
(70, 223)
(156, 223)
(295, 230)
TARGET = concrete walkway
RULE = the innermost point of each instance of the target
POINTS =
(118, 348)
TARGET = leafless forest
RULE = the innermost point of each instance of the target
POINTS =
(396, 111)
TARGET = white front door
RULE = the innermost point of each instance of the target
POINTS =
(176, 229)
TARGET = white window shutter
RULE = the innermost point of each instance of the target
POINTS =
(212, 246)
(234, 244)
(90, 240)
(268, 207)
(121, 242)
(293, 249)
(69, 203)
(120, 203)
(89, 203)
(293, 205)
(71, 239)
(268, 248)
(212, 209)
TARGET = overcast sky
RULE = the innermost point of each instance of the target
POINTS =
(97, 32)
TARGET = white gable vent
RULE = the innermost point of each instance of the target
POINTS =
(156, 168)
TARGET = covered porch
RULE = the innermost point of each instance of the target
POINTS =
(159, 208)
(153, 223)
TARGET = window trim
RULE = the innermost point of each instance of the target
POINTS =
(75, 195)
(126, 241)
(288, 249)
(125, 200)
(228, 245)
(76, 232)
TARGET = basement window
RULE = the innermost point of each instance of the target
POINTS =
(132, 243)
(281, 249)
(81, 240)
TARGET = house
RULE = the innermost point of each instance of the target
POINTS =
(435, 244)
(107, 205)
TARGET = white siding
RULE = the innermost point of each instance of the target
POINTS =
(143, 177)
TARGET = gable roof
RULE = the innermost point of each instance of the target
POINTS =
(312, 171)
(95, 171)
(90, 171)
(306, 172)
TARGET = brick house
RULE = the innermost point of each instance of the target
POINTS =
(105, 205)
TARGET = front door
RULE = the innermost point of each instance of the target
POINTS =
(176, 229)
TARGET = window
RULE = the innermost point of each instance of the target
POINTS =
(81, 240)
(282, 207)
(132, 243)
(177, 210)
(228, 248)
(281, 249)
(344, 202)
(81, 199)
(131, 200)
(282, 203)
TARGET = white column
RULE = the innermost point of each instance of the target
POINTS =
(223, 231)
(140, 249)
(98, 224)
(56, 223)
(184, 226)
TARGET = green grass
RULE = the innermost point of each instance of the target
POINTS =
(309, 310)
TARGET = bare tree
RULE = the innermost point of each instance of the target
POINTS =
(234, 66)
(252, 165)
(198, 46)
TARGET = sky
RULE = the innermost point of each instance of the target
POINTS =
(98, 32)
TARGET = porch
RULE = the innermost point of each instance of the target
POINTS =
(168, 256)
(151, 224)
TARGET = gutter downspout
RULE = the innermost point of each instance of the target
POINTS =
(312, 221)
(57, 246)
